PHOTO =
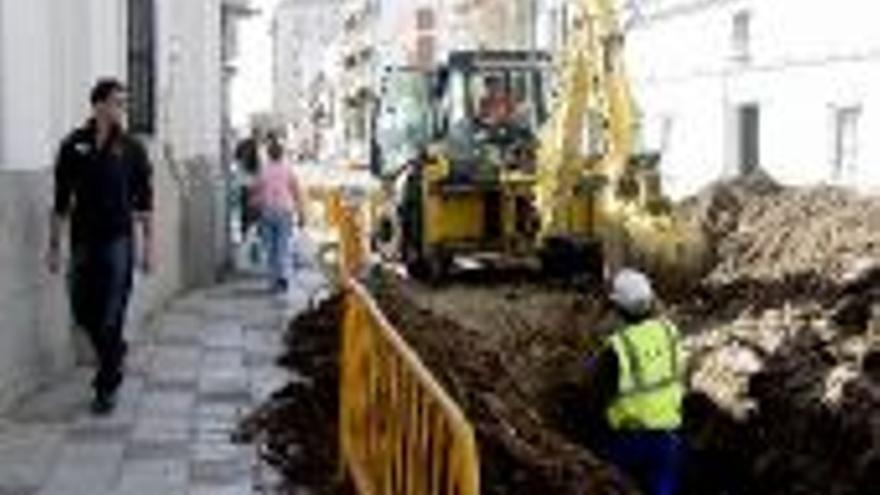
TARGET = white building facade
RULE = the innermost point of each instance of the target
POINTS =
(51, 52)
(491, 24)
(303, 32)
(790, 86)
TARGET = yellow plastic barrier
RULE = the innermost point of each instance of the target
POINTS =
(352, 247)
(333, 207)
(400, 433)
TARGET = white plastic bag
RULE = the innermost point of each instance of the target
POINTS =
(302, 250)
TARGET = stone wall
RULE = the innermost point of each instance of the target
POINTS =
(35, 340)
(36, 336)
(202, 242)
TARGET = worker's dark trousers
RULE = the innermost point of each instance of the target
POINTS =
(100, 285)
(651, 458)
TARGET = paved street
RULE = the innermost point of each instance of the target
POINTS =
(193, 372)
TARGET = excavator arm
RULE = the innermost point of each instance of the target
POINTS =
(592, 121)
(589, 183)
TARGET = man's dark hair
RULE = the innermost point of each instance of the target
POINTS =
(104, 88)
(275, 150)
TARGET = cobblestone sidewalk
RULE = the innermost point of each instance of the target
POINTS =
(192, 374)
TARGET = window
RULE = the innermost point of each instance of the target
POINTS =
(846, 142)
(523, 88)
(749, 116)
(457, 98)
(564, 25)
(403, 123)
(425, 19)
(425, 51)
(142, 66)
(742, 36)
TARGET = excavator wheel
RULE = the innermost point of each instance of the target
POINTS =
(386, 237)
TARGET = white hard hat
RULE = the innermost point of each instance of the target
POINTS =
(631, 291)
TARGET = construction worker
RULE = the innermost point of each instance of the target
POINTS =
(638, 385)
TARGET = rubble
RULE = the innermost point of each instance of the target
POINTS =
(784, 242)
(798, 438)
(779, 332)
(296, 429)
(775, 335)
(789, 260)
(781, 337)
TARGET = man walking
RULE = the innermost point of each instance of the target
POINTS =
(103, 186)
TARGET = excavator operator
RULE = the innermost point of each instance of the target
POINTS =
(496, 106)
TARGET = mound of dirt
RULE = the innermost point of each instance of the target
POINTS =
(792, 391)
(782, 359)
(814, 424)
(296, 429)
(512, 354)
(779, 242)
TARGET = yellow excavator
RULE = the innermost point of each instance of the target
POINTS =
(559, 183)
(456, 148)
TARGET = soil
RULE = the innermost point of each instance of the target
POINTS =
(521, 449)
(783, 360)
(780, 340)
(296, 428)
(811, 422)
(511, 371)
(778, 244)
(773, 393)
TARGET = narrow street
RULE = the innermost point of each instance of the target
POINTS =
(439, 247)
(192, 373)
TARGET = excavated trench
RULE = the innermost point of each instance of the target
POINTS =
(783, 365)
(509, 369)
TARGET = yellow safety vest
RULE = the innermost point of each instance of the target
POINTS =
(650, 387)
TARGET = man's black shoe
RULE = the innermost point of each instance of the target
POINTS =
(103, 403)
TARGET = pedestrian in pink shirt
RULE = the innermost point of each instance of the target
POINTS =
(277, 196)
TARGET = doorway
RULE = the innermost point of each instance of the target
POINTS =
(749, 143)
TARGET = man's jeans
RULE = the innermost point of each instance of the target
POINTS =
(100, 284)
(652, 458)
(277, 227)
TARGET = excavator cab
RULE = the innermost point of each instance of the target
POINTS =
(489, 107)
(477, 105)
(465, 172)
